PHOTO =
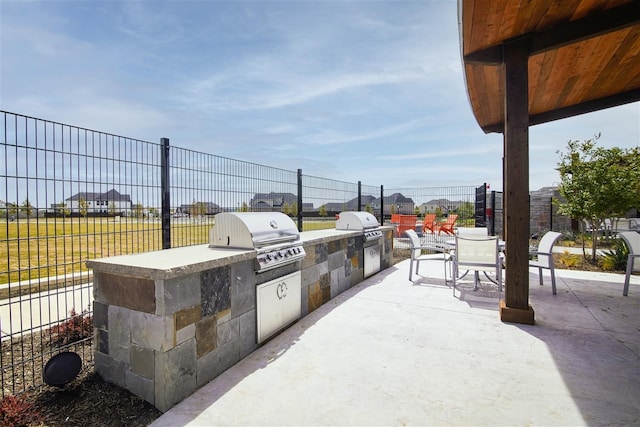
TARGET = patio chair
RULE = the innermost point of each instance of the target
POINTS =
(544, 257)
(407, 222)
(473, 232)
(477, 254)
(446, 226)
(632, 239)
(429, 222)
(417, 256)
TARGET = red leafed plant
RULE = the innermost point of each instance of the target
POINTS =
(76, 328)
(16, 411)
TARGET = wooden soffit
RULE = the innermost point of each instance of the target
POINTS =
(584, 55)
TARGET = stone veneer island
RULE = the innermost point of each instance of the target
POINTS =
(167, 322)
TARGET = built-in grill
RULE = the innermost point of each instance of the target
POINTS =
(273, 235)
(360, 221)
(278, 246)
(372, 236)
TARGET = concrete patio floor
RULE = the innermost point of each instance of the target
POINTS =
(393, 352)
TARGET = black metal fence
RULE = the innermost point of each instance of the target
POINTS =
(68, 194)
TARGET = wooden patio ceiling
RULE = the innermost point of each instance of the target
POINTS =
(584, 55)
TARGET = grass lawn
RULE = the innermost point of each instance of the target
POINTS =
(45, 247)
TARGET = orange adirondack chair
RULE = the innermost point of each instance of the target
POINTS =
(447, 226)
(395, 221)
(429, 222)
(407, 222)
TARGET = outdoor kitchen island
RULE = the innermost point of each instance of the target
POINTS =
(167, 322)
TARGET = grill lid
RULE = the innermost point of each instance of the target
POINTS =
(355, 221)
(252, 230)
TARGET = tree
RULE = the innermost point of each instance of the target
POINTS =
(322, 211)
(466, 210)
(598, 183)
(62, 209)
(367, 208)
(83, 207)
(138, 210)
(285, 208)
(26, 208)
(12, 209)
(244, 207)
(198, 208)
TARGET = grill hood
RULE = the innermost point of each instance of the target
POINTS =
(356, 221)
(252, 230)
(360, 221)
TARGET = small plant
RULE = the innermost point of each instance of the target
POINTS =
(568, 260)
(616, 258)
(76, 328)
(16, 411)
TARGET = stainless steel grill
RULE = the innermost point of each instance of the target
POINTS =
(372, 235)
(273, 235)
(360, 221)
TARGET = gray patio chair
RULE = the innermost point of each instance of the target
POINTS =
(472, 231)
(477, 254)
(632, 239)
(544, 257)
(438, 254)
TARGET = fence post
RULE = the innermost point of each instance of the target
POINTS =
(493, 213)
(166, 194)
(382, 204)
(300, 200)
(359, 196)
(550, 213)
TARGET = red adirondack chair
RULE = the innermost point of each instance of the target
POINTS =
(447, 226)
(429, 222)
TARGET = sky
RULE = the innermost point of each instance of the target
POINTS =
(369, 91)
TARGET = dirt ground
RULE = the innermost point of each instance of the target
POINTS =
(88, 400)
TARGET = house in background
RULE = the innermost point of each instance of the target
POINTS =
(199, 208)
(100, 203)
(351, 205)
(445, 206)
(395, 203)
(275, 202)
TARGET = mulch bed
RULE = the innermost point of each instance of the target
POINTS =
(87, 400)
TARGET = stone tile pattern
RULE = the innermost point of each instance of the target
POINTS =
(164, 339)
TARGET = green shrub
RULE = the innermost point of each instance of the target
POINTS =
(616, 258)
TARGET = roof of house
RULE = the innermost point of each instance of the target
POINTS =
(111, 196)
(273, 199)
(397, 198)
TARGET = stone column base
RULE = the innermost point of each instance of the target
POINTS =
(516, 315)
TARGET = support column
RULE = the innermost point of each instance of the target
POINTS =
(515, 306)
